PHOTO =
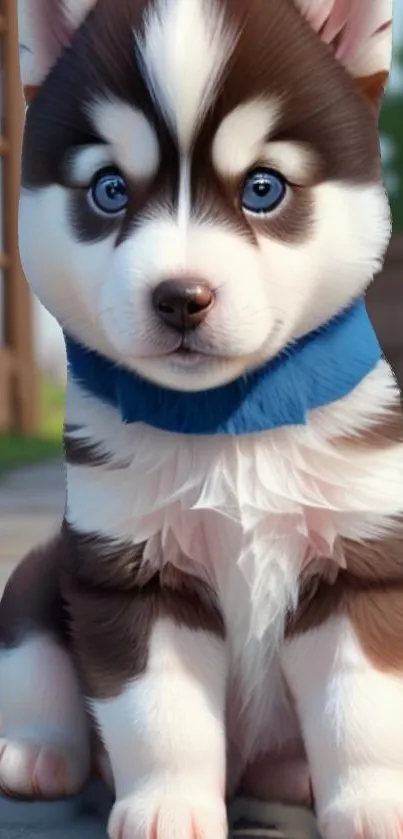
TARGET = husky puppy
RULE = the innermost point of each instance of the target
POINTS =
(202, 210)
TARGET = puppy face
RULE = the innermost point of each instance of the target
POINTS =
(201, 184)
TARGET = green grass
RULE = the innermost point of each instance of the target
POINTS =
(47, 445)
(52, 399)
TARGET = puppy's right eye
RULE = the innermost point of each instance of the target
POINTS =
(109, 192)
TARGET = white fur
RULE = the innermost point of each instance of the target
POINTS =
(43, 717)
(241, 143)
(296, 161)
(239, 139)
(351, 720)
(184, 201)
(183, 70)
(85, 161)
(132, 138)
(73, 299)
(178, 776)
(334, 265)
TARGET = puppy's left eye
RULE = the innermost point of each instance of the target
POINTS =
(109, 192)
(263, 191)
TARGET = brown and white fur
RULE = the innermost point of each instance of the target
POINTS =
(229, 610)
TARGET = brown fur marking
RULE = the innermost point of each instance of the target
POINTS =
(32, 600)
(114, 602)
(95, 597)
(385, 433)
(111, 630)
(369, 591)
(83, 452)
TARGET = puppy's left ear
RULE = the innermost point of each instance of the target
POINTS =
(360, 34)
(45, 28)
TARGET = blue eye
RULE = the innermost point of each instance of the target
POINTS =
(263, 191)
(109, 192)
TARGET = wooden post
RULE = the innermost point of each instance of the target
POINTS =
(19, 327)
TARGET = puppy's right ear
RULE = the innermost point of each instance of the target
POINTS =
(45, 28)
(359, 32)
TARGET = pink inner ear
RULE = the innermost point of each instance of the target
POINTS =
(359, 34)
(344, 27)
(336, 20)
(59, 30)
(63, 28)
(316, 13)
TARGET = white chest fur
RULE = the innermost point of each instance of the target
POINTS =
(248, 513)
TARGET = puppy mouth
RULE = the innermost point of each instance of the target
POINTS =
(188, 356)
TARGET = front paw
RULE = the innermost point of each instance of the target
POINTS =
(35, 769)
(376, 815)
(169, 811)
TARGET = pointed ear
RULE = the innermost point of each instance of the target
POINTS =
(45, 28)
(360, 34)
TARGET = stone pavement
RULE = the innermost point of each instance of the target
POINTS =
(31, 507)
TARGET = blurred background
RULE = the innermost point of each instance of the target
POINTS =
(32, 360)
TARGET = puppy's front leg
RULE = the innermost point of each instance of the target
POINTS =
(153, 661)
(350, 707)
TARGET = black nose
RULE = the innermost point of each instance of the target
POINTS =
(183, 304)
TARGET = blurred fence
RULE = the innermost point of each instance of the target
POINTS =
(17, 368)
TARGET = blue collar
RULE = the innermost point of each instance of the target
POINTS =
(313, 372)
